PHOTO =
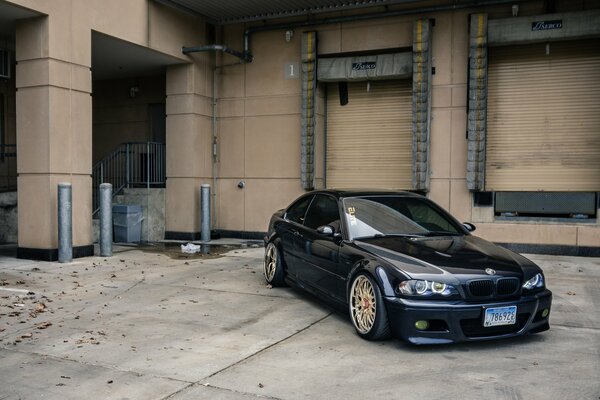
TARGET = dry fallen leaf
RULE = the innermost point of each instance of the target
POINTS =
(44, 325)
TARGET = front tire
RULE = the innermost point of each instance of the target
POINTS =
(273, 266)
(367, 310)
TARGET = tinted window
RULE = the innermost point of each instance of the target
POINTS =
(297, 210)
(323, 211)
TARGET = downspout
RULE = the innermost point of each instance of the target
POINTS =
(248, 58)
(245, 57)
(214, 135)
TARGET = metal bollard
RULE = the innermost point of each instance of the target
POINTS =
(65, 223)
(106, 228)
(205, 216)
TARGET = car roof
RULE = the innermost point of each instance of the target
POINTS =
(342, 193)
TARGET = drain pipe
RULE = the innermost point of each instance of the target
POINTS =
(353, 18)
(246, 57)
(243, 58)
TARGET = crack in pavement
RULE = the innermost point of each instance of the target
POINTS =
(258, 396)
(222, 291)
(566, 326)
(268, 347)
(106, 367)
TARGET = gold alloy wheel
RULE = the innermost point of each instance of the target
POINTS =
(270, 262)
(362, 304)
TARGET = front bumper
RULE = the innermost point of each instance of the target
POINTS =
(453, 322)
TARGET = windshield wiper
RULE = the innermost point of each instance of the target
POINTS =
(379, 235)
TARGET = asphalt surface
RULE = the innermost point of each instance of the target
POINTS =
(163, 325)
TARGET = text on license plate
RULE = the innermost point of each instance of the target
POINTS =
(500, 316)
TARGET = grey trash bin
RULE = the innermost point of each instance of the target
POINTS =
(127, 223)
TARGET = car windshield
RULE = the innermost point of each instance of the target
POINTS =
(396, 216)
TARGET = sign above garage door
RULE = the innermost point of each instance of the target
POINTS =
(362, 68)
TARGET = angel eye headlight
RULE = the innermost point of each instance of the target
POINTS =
(418, 287)
(536, 282)
(438, 288)
(421, 287)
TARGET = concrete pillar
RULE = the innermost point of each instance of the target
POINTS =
(189, 144)
(54, 132)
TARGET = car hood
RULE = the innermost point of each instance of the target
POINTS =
(461, 255)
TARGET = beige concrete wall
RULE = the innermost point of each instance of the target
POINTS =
(117, 117)
(258, 131)
(53, 52)
(259, 125)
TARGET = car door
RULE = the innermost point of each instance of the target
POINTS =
(289, 232)
(318, 254)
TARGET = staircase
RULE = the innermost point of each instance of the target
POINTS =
(130, 165)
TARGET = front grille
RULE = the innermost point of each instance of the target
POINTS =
(481, 288)
(474, 327)
(507, 286)
(488, 288)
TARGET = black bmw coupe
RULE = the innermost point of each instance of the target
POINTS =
(403, 266)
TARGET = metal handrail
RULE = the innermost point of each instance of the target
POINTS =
(130, 164)
(4, 153)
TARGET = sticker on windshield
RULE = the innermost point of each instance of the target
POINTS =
(351, 217)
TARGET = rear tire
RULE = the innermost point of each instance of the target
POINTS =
(367, 311)
(273, 266)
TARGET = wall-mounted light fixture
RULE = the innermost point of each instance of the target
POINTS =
(133, 91)
(289, 35)
(515, 10)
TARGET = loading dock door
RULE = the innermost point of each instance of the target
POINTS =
(544, 117)
(369, 140)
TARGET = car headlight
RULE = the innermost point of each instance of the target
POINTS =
(534, 283)
(417, 287)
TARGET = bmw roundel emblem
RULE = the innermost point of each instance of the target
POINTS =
(490, 271)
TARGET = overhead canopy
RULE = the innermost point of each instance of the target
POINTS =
(234, 11)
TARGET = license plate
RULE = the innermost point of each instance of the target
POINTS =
(500, 316)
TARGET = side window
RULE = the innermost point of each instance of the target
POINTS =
(297, 210)
(323, 211)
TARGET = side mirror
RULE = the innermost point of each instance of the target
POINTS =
(325, 230)
(469, 226)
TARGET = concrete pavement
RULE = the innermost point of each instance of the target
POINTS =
(145, 324)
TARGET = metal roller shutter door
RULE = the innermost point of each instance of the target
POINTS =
(369, 140)
(544, 117)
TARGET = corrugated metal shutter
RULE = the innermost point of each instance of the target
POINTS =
(544, 117)
(369, 140)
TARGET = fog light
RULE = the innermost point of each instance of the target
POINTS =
(422, 325)
(545, 313)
